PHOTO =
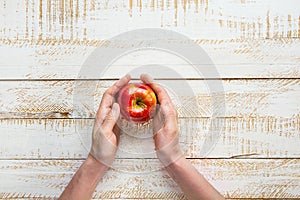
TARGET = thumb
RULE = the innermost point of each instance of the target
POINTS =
(112, 117)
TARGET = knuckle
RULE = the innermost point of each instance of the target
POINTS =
(171, 130)
(109, 117)
(106, 93)
(172, 112)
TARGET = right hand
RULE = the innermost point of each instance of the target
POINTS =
(165, 125)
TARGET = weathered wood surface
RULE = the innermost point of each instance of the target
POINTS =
(254, 45)
(235, 178)
(32, 20)
(244, 58)
(193, 98)
(237, 137)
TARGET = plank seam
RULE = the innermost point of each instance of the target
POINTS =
(158, 79)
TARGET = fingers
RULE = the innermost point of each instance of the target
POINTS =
(109, 96)
(164, 99)
(146, 79)
(111, 118)
(160, 91)
(117, 86)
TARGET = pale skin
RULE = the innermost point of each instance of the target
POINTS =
(106, 139)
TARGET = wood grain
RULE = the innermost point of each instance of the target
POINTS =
(253, 45)
(60, 59)
(193, 98)
(31, 20)
(235, 178)
(234, 137)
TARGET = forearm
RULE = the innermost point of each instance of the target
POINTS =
(192, 183)
(85, 180)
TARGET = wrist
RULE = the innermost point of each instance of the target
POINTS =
(93, 163)
(169, 155)
(177, 164)
(85, 180)
(105, 155)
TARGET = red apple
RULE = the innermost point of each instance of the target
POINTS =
(137, 102)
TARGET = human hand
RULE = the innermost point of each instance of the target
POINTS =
(105, 137)
(165, 127)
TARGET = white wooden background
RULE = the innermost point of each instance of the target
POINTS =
(254, 45)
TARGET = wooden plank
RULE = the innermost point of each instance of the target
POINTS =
(235, 178)
(234, 137)
(45, 72)
(193, 98)
(243, 58)
(82, 20)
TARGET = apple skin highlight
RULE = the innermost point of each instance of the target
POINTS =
(137, 102)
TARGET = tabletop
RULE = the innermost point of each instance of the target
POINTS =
(237, 100)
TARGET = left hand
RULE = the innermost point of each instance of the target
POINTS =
(106, 135)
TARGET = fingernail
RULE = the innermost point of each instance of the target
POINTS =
(127, 76)
(148, 78)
